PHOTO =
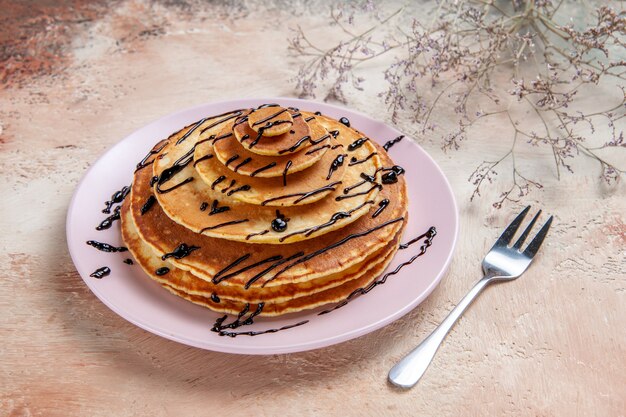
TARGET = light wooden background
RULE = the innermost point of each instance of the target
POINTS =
(550, 344)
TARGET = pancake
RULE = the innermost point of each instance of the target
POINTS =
(181, 192)
(255, 141)
(282, 300)
(192, 285)
(321, 256)
(270, 120)
(269, 166)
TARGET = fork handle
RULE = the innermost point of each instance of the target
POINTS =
(410, 369)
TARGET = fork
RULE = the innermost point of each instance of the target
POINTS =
(502, 263)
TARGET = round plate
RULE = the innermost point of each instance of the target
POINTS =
(134, 296)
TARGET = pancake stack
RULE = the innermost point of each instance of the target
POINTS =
(268, 210)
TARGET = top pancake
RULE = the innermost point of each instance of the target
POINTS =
(269, 191)
(182, 193)
(264, 166)
(251, 132)
(270, 120)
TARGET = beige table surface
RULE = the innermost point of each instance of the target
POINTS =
(550, 344)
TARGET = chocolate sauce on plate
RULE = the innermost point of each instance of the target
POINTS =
(101, 272)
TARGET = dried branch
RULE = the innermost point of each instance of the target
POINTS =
(513, 57)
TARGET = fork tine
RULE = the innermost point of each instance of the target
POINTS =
(534, 245)
(525, 233)
(508, 233)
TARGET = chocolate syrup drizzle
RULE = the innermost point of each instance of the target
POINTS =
(204, 206)
(217, 210)
(287, 166)
(303, 196)
(257, 234)
(217, 181)
(169, 173)
(230, 266)
(390, 177)
(215, 298)
(354, 161)
(334, 245)
(279, 224)
(428, 240)
(105, 247)
(396, 168)
(223, 277)
(217, 226)
(245, 187)
(268, 166)
(213, 138)
(108, 222)
(242, 163)
(162, 271)
(296, 145)
(357, 144)
(346, 196)
(271, 267)
(101, 272)
(242, 119)
(319, 140)
(190, 131)
(334, 166)
(317, 149)
(231, 159)
(144, 162)
(366, 179)
(128, 261)
(180, 164)
(333, 219)
(382, 205)
(204, 158)
(345, 121)
(231, 185)
(264, 128)
(268, 118)
(430, 235)
(172, 188)
(182, 251)
(116, 198)
(392, 142)
(147, 205)
(229, 115)
(220, 328)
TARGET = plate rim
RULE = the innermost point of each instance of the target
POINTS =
(272, 349)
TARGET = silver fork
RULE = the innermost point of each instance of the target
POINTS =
(502, 263)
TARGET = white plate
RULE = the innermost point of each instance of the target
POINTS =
(134, 296)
